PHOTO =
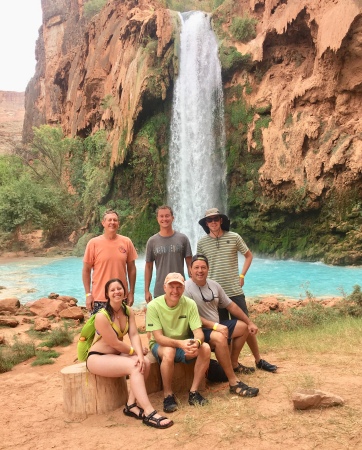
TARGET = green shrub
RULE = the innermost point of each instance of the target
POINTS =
(43, 358)
(352, 304)
(311, 315)
(10, 355)
(93, 7)
(231, 59)
(243, 28)
(59, 337)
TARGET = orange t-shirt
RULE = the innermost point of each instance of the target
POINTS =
(108, 259)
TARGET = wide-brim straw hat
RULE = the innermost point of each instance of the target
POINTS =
(225, 224)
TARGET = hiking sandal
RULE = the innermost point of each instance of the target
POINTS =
(127, 411)
(243, 369)
(154, 422)
(243, 390)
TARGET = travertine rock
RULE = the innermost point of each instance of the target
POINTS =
(8, 322)
(45, 307)
(12, 111)
(314, 398)
(10, 304)
(73, 312)
(42, 324)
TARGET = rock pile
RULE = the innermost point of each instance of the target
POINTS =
(55, 306)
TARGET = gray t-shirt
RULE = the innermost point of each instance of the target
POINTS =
(207, 309)
(169, 254)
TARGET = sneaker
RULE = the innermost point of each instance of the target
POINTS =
(170, 404)
(264, 365)
(195, 398)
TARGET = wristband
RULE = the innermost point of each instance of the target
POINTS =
(87, 295)
(131, 351)
(242, 276)
(200, 343)
(215, 326)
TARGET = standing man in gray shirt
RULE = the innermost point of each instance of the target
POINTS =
(168, 249)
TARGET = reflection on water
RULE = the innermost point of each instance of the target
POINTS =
(30, 279)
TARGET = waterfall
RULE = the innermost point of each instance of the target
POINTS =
(197, 170)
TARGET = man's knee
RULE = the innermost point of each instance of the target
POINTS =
(167, 355)
(241, 329)
(204, 351)
(218, 341)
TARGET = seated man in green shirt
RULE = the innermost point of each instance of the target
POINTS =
(170, 318)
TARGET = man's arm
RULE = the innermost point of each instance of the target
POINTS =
(165, 341)
(223, 329)
(188, 260)
(148, 278)
(234, 309)
(86, 277)
(131, 272)
(247, 263)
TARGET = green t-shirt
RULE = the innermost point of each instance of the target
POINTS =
(175, 323)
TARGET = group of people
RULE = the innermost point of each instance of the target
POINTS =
(185, 321)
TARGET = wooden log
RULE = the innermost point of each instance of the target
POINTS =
(182, 377)
(85, 394)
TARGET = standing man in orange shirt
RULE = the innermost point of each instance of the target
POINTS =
(108, 256)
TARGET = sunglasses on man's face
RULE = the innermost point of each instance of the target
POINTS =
(212, 219)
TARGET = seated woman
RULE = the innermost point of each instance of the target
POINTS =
(109, 356)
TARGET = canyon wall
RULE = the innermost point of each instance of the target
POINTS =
(293, 94)
(11, 120)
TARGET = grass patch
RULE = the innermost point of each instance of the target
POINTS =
(10, 355)
(316, 337)
(59, 337)
(43, 358)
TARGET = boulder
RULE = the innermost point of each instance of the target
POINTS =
(8, 322)
(53, 295)
(287, 304)
(271, 302)
(27, 320)
(10, 304)
(73, 312)
(42, 324)
(313, 398)
(68, 299)
(2, 340)
(45, 307)
(259, 308)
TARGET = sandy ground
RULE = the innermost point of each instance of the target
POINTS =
(32, 410)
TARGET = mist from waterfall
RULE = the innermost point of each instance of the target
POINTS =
(197, 169)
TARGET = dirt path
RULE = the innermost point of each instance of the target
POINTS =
(32, 411)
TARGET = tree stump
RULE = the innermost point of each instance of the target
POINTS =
(85, 394)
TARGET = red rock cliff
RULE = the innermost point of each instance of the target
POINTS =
(99, 74)
(11, 119)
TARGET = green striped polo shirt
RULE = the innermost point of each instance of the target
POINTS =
(222, 254)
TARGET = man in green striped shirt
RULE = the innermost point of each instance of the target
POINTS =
(221, 247)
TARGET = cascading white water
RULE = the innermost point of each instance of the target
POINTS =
(197, 170)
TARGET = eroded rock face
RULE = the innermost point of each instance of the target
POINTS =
(11, 120)
(313, 84)
(100, 74)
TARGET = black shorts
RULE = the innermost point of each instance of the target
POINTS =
(240, 301)
(231, 324)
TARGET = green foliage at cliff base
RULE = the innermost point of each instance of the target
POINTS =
(93, 7)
